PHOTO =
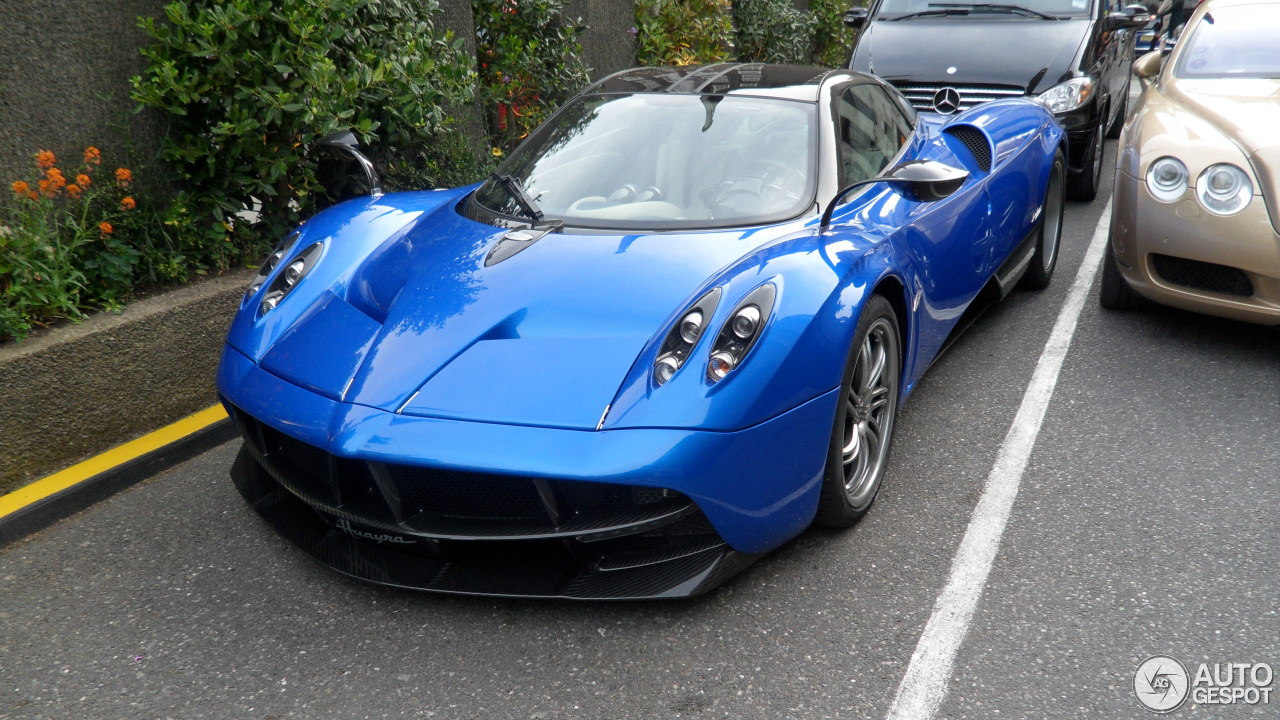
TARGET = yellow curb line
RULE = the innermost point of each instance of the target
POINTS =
(115, 457)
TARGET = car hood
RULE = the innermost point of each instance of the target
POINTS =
(544, 337)
(1247, 112)
(1030, 53)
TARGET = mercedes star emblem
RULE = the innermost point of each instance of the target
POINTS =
(946, 100)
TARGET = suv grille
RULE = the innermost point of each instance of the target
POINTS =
(921, 95)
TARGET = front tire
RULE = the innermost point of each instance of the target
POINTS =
(1114, 292)
(863, 428)
(1045, 259)
(1084, 185)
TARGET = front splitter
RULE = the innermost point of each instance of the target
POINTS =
(520, 570)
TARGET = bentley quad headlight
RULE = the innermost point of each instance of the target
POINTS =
(1167, 179)
(740, 332)
(682, 338)
(1068, 96)
(1224, 189)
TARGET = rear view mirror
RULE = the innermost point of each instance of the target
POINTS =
(919, 180)
(1148, 66)
(339, 152)
(856, 17)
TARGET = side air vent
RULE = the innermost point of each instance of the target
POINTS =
(975, 141)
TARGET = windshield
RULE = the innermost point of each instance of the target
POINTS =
(891, 9)
(1233, 42)
(664, 162)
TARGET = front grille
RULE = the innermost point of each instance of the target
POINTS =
(1202, 275)
(921, 95)
(443, 504)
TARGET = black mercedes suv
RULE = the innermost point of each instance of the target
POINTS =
(947, 56)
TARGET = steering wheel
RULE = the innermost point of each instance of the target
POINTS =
(764, 185)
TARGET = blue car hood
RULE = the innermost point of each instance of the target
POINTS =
(545, 337)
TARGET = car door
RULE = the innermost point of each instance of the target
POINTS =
(949, 241)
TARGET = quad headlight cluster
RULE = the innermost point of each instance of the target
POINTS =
(736, 337)
(287, 279)
(1222, 189)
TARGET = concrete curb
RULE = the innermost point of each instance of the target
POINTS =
(58, 506)
(80, 389)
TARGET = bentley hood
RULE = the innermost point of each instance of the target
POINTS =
(1243, 111)
(1031, 54)
(402, 313)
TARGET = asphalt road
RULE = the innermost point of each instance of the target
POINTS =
(1146, 524)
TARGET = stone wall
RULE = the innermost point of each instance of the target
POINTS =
(64, 82)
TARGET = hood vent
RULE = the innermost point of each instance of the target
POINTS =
(975, 141)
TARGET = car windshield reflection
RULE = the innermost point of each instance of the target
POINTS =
(665, 162)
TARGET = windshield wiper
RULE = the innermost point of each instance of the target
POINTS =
(522, 198)
(997, 8)
(928, 13)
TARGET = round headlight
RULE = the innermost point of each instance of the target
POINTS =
(664, 369)
(293, 273)
(269, 302)
(746, 321)
(1224, 189)
(691, 327)
(720, 365)
(1167, 179)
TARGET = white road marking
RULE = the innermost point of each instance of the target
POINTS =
(925, 684)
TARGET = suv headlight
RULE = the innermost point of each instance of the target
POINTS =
(1224, 189)
(1068, 96)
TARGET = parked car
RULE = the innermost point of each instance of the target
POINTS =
(670, 332)
(1072, 55)
(1196, 215)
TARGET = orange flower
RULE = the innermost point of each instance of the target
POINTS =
(83, 180)
(48, 189)
(55, 177)
(45, 159)
(105, 227)
(128, 203)
(31, 195)
(123, 177)
(73, 191)
(20, 188)
(92, 156)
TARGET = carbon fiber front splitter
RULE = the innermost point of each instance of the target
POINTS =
(526, 569)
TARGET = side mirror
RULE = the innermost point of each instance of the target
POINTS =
(342, 149)
(1122, 21)
(856, 17)
(1148, 66)
(919, 180)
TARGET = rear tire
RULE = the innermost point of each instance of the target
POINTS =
(1115, 293)
(1084, 185)
(1045, 259)
(865, 413)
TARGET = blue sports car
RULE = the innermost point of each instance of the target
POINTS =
(667, 335)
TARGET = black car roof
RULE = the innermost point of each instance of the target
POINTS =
(794, 82)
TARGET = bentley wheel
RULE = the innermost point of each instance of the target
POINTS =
(864, 418)
(1049, 236)
(1084, 185)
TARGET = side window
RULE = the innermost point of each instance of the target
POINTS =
(870, 129)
